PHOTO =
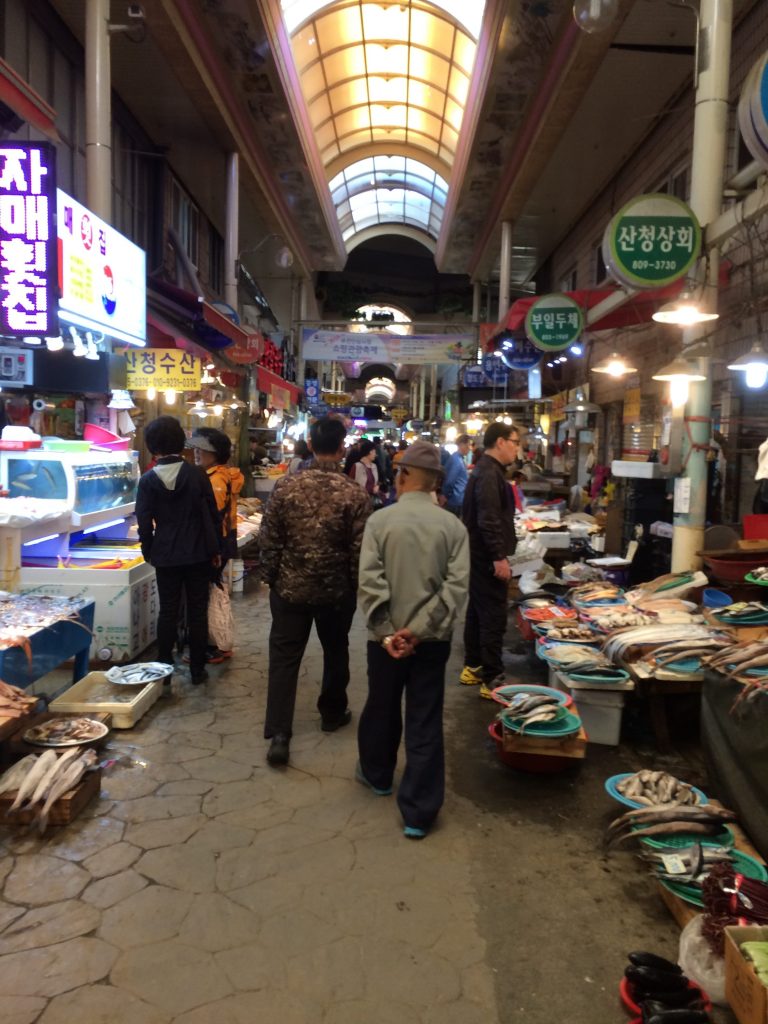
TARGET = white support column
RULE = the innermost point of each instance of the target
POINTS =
(98, 110)
(432, 391)
(231, 230)
(505, 268)
(707, 175)
(422, 394)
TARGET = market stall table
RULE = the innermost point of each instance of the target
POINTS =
(48, 648)
(658, 685)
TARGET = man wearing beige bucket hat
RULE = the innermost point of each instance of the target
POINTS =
(414, 575)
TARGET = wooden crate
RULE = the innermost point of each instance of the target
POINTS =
(66, 808)
(565, 746)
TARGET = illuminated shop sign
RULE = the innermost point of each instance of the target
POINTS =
(102, 275)
(28, 239)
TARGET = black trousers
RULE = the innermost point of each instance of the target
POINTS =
(486, 621)
(194, 582)
(421, 677)
(291, 626)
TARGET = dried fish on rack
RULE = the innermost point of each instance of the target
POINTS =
(651, 821)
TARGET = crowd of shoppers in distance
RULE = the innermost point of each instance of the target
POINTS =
(413, 565)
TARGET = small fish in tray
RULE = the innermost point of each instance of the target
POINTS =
(140, 674)
(65, 732)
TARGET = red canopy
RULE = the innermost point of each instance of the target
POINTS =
(637, 310)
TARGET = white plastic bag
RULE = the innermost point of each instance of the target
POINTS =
(221, 628)
(700, 964)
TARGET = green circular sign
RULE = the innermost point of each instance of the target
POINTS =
(652, 241)
(554, 322)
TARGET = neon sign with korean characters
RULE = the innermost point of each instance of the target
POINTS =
(28, 253)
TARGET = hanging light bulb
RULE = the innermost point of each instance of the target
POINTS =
(756, 375)
(32, 340)
(595, 15)
(679, 373)
(151, 394)
(170, 397)
(684, 311)
(218, 410)
(614, 366)
(754, 366)
(91, 351)
(54, 344)
(78, 346)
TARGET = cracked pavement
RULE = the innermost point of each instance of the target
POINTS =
(203, 886)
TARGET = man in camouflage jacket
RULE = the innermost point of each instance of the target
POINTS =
(310, 541)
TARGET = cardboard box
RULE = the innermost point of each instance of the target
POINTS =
(746, 993)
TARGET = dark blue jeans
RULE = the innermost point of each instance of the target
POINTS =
(291, 626)
(421, 678)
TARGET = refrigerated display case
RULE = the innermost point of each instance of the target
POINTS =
(90, 549)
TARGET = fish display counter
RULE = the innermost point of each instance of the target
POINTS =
(88, 549)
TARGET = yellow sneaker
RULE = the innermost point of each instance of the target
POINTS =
(485, 691)
(471, 676)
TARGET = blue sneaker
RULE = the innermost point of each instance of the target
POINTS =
(411, 832)
(361, 778)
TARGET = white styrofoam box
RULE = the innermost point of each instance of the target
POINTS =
(532, 565)
(554, 540)
(125, 621)
(601, 714)
(93, 692)
(638, 470)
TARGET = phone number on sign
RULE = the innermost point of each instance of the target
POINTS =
(654, 264)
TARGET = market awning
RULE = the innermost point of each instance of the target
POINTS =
(162, 333)
(23, 101)
(210, 326)
(281, 393)
(637, 310)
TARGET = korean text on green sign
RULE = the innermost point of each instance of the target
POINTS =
(554, 322)
(652, 241)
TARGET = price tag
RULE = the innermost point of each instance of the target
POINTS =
(674, 864)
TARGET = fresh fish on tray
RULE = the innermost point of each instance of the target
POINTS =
(571, 657)
(139, 674)
(659, 636)
(696, 861)
(652, 788)
(60, 732)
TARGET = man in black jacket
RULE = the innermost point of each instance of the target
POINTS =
(489, 516)
(178, 529)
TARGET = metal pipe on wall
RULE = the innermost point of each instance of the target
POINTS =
(505, 268)
(707, 174)
(231, 230)
(98, 110)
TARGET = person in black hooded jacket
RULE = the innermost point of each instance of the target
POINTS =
(177, 519)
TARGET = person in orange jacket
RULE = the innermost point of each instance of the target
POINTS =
(212, 450)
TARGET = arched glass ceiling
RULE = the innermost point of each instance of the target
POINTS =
(465, 12)
(387, 77)
(388, 189)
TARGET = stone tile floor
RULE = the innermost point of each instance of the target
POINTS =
(204, 887)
